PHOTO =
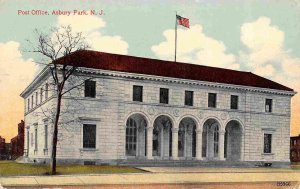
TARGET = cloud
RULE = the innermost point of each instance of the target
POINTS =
(195, 47)
(264, 43)
(267, 70)
(16, 73)
(90, 25)
(265, 55)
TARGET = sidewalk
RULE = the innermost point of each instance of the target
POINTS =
(151, 178)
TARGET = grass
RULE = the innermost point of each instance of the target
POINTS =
(11, 168)
(295, 166)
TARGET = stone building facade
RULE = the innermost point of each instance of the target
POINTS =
(137, 108)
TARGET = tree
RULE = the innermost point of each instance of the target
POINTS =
(56, 46)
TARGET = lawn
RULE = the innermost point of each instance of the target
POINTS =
(11, 168)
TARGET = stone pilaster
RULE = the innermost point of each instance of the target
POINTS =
(221, 145)
(199, 144)
(149, 142)
(175, 143)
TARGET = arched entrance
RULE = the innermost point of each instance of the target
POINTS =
(233, 141)
(136, 133)
(162, 137)
(210, 139)
(187, 138)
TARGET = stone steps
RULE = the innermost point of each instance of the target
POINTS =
(183, 163)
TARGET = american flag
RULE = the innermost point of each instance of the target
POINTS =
(183, 21)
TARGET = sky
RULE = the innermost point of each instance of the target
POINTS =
(259, 36)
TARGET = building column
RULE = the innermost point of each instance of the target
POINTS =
(221, 145)
(199, 144)
(242, 146)
(174, 143)
(149, 142)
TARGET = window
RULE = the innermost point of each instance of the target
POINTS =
(267, 143)
(216, 141)
(41, 95)
(234, 101)
(32, 101)
(27, 141)
(46, 136)
(188, 100)
(31, 139)
(137, 93)
(36, 98)
(89, 136)
(131, 137)
(46, 91)
(268, 105)
(35, 139)
(90, 88)
(164, 96)
(28, 104)
(212, 100)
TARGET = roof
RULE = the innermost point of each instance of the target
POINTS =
(131, 64)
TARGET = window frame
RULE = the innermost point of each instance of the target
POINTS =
(162, 99)
(46, 91)
(214, 102)
(35, 138)
(83, 136)
(269, 108)
(265, 149)
(28, 104)
(237, 102)
(36, 98)
(46, 131)
(41, 94)
(186, 103)
(32, 101)
(134, 91)
(90, 88)
(270, 131)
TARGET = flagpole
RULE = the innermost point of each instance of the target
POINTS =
(175, 35)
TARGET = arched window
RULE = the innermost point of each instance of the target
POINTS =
(216, 141)
(131, 130)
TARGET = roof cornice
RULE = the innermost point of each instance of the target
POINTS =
(183, 81)
(37, 79)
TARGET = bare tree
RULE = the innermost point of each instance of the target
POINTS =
(56, 47)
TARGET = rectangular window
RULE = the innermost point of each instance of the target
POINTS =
(46, 91)
(36, 98)
(164, 96)
(46, 136)
(35, 139)
(137, 93)
(234, 101)
(27, 141)
(41, 95)
(268, 105)
(89, 136)
(212, 100)
(32, 101)
(90, 88)
(189, 98)
(31, 139)
(28, 104)
(267, 143)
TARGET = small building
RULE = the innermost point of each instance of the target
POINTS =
(295, 149)
(130, 108)
(17, 143)
(2, 148)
